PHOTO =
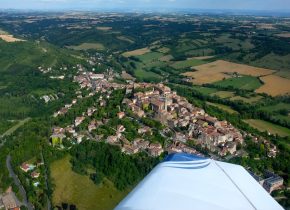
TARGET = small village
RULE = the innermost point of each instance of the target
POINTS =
(184, 125)
(159, 102)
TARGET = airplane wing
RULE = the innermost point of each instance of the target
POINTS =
(188, 182)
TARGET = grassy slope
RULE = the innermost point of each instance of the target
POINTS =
(150, 57)
(88, 46)
(187, 63)
(275, 110)
(204, 90)
(21, 78)
(267, 126)
(223, 107)
(80, 190)
(276, 107)
(245, 83)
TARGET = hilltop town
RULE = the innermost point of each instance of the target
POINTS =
(181, 119)
(182, 122)
(90, 103)
(186, 128)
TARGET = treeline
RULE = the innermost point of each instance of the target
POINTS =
(108, 161)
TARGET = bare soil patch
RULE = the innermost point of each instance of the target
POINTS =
(126, 39)
(284, 35)
(10, 38)
(137, 52)
(127, 76)
(202, 57)
(166, 58)
(104, 28)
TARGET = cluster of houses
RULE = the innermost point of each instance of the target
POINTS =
(175, 111)
(158, 101)
(48, 98)
(59, 133)
(44, 70)
(178, 147)
(33, 171)
(65, 109)
(90, 80)
(138, 145)
(97, 82)
(269, 181)
(9, 201)
(96, 59)
(187, 121)
(271, 148)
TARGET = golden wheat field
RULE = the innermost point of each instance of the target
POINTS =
(220, 69)
(274, 85)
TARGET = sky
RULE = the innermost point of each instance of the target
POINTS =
(270, 5)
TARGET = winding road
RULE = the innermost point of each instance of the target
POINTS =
(18, 183)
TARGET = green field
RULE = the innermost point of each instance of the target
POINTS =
(142, 66)
(79, 190)
(204, 90)
(187, 63)
(147, 75)
(163, 50)
(276, 107)
(150, 57)
(223, 107)
(88, 46)
(280, 111)
(200, 52)
(244, 83)
(262, 125)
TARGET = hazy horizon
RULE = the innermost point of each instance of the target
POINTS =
(219, 5)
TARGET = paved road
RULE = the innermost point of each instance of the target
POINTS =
(15, 127)
(18, 183)
(11, 130)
